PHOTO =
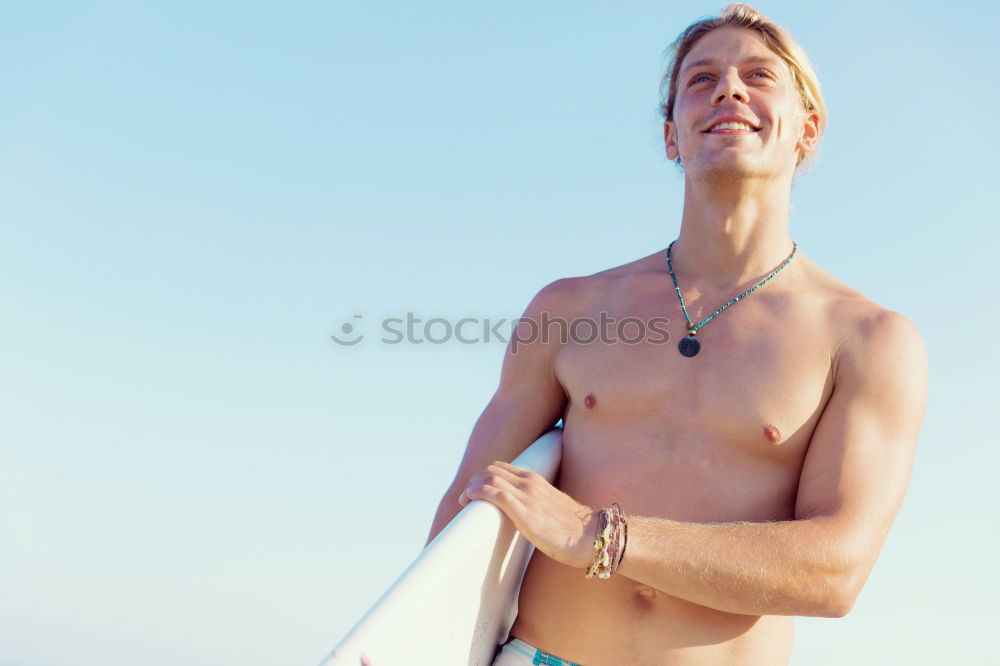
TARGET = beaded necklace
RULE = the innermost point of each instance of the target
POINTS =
(689, 346)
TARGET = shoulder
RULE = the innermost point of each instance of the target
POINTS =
(852, 313)
(881, 348)
(578, 294)
(869, 338)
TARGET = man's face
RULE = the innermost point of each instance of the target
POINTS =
(730, 72)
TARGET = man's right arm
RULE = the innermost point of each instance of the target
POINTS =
(527, 403)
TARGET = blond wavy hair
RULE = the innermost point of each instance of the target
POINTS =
(777, 39)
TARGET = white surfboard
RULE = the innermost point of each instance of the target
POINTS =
(457, 601)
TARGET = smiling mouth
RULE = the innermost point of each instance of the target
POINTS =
(731, 131)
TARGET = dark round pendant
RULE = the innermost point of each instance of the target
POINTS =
(689, 346)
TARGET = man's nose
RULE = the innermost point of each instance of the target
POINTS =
(730, 86)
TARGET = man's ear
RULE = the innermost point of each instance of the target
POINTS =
(809, 136)
(670, 139)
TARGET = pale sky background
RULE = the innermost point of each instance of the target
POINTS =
(194, 196)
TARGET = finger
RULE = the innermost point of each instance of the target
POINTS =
(477, 480)
(496, 475)
(524, 476)
(499, 491)
(518, 477)
(491, 475)
(517, 471)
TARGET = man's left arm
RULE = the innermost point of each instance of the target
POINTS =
(852, 483)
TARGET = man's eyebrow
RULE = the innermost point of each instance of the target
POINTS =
(711, 61)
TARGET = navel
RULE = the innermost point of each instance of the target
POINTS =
(590, 401)
(644, 600)
(772, 433)
(646, 592)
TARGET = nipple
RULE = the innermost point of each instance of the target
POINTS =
(772, 433)
(590, 401)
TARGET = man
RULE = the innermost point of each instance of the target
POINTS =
(760, 473)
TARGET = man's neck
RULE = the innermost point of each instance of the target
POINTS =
(731, 235)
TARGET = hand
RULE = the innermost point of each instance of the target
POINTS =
(554, 522)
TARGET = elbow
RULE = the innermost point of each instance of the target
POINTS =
(842, 573)
(840, 595)
(839, 606)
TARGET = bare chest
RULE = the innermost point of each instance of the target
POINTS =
(717, 436)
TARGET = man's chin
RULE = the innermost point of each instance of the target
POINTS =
(725, 167)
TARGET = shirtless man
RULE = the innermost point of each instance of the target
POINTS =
(760, 476)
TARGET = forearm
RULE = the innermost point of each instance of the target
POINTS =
(446, 512)
(772, 568)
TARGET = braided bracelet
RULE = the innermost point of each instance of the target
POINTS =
(601, 545)
(609, 546)
(620, 535)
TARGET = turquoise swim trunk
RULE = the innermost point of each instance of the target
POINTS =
(516, 652)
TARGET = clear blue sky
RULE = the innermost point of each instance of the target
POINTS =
(194, 196)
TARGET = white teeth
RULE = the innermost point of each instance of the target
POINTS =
(732, 125)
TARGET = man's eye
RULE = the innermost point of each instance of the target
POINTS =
(699, 77)
(766, 75)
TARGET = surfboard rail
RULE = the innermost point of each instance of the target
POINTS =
(458, 599)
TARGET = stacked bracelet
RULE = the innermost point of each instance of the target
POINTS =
(609, 546)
